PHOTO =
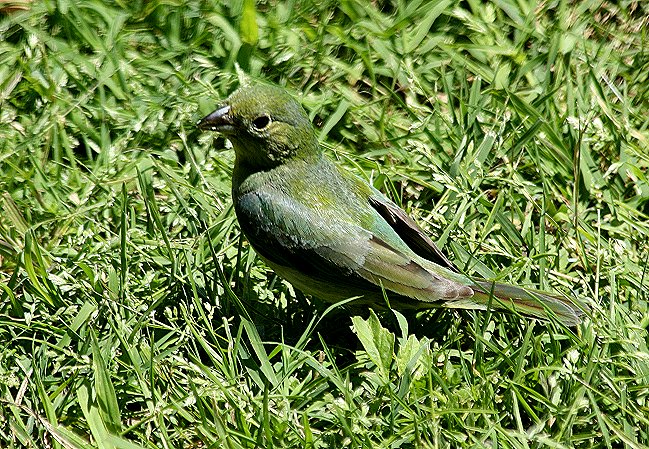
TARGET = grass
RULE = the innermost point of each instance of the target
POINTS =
(133, 314)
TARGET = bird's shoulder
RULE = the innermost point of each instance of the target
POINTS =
(306, 187)
(303, 204)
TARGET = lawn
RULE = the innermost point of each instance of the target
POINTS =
(133, 314)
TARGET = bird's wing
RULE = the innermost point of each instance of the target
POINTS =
(409, 231)
(326, 246)
(405, 274)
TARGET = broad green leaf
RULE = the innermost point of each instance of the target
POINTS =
(105, 391)
(410, 351)
(377, 341)
(248, 25)
(424, 25)
(93, 416)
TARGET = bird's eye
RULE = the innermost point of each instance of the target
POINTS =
(261, 122)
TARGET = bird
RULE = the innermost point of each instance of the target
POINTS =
(334, 236)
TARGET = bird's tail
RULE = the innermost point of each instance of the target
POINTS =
(529, 302)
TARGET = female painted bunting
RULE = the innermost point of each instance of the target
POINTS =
(331, 234)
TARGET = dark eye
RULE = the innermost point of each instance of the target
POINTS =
(261, 122)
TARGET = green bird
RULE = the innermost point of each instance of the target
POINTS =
(331, 234)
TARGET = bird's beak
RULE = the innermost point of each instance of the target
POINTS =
(219, 120)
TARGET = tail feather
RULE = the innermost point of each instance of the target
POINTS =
(529, 302)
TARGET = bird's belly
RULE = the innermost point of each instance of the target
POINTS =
(329, 284)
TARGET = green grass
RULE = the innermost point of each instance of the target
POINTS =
(133, 314)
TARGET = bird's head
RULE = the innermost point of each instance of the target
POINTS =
(266, 126)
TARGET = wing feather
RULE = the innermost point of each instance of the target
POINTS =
(409, 231)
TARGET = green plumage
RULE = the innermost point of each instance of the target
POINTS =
(331, 234)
